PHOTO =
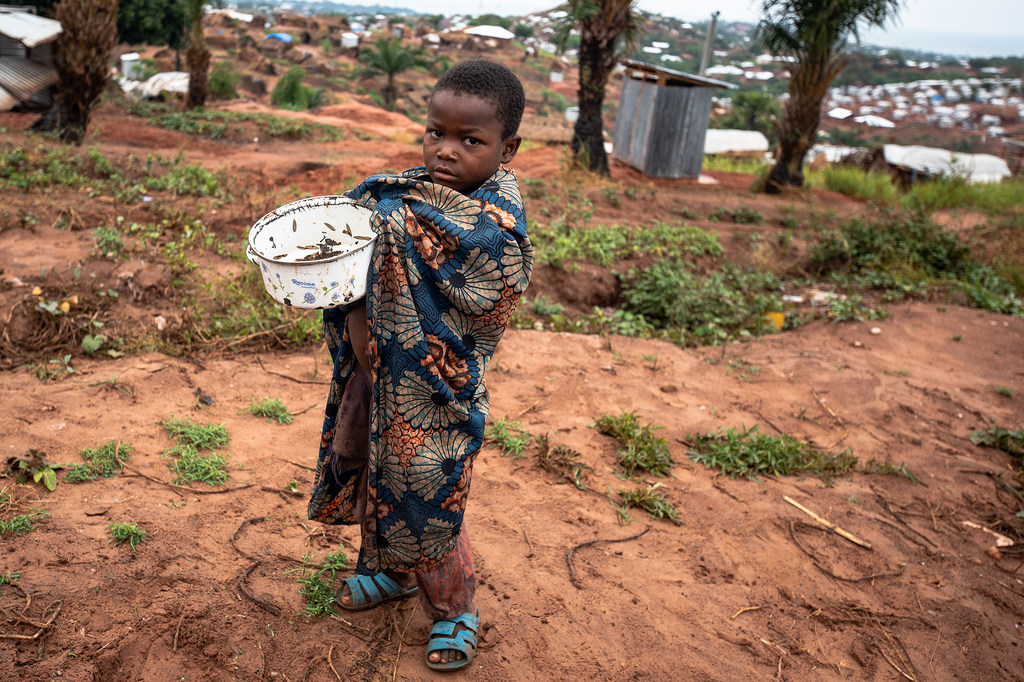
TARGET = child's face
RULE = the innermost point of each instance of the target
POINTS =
(462, 145)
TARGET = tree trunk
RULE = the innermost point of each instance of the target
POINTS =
(798, 128)
(197, 56)
(597, 58)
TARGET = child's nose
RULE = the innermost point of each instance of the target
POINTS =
(446, 151)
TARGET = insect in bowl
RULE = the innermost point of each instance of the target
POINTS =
(314, 252)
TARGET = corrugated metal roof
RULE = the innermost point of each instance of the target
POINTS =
(672, 76)
(28, 29)
(7, 101)
(23, 78)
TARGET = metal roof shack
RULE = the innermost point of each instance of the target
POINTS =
(26, 62)
(663, 119)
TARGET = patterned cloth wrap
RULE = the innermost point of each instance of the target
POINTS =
(447, 273)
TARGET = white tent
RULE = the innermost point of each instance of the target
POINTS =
(490, 32)
(735, 141)
(839, 113)
(874, 121)
(931, 161)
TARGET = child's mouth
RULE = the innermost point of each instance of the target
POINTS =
(442, 175)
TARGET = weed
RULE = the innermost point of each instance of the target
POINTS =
(199, 436)
(618, 322)
(22, 523)
(745, 452)
(1003, 391)
(109, 241)
(34, 465)
(187, 462)
(695, 311)
(889, 469)
(54, 370)
(319, 595)
(126, 532)
(100, 461)
(272, 409)
(190, 466)
(743, 215)
(853, 308)
(9, 577)
(561, 460)
(1010, 442)
(649, 499)
(510, 436)
(642, 450)
(607, 245)
(334, 562)
(113, 383)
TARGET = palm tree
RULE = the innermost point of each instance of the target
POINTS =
(82, 60)
(390, 57)
(606, 28)
(815, 34)
(197, 56)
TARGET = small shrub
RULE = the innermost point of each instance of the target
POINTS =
(272, 409)
(642, 450)
(650, 500)
(126, 532)
(224, 81)
(509, 436)
(109, 241)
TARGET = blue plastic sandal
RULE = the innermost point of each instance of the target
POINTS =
(443, 637)
(373, 590)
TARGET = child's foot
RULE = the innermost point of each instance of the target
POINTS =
(362, 592)
(457, 633)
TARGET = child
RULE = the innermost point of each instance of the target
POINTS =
(406, 411)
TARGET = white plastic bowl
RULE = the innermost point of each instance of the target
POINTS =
(315, 252)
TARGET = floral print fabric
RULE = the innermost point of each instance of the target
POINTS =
(447, 273)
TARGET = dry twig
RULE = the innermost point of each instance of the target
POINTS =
(828, 524)
(266, 606)
(568, 555)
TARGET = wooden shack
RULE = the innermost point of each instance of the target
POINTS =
(663, 119)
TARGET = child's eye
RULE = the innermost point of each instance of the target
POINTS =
(436, 134)
(472, 141)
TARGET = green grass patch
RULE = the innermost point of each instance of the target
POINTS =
(19, 524)
(187, 462)
(607, 245)
(747, 453)
(121, 533)
(99, 461)
(234, 124)
(906, 254)
(702, 310)
(509, 436)
(641, 449)
(272, 409)
(319, 592)
(560, 460)
(648, 499)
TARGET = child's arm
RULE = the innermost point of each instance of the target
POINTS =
(359, 335)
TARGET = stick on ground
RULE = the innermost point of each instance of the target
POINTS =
(568, 555)
(828, 524)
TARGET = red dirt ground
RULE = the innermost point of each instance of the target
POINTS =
(746, 587)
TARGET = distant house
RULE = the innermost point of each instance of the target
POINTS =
(502, 37)
(27, 75)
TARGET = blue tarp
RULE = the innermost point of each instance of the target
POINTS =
(283, 37)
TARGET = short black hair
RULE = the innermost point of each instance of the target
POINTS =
(491, 81)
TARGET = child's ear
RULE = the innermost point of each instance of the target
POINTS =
(511, 147)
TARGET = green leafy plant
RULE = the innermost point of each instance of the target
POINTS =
(648, 498)
(126, 532)
(9, 577)
(99, 461)
(272, 409)
(334, 562)
(22, 523)
(747, 453)
(318, 592)
(853, 308)
(1001, 438)
(642, 450)
(187, 462)
(55, 370)
(509, 436)
(1003, 391)
(34, 466)
(109, 241)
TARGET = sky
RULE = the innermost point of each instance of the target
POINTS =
(944, 20)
